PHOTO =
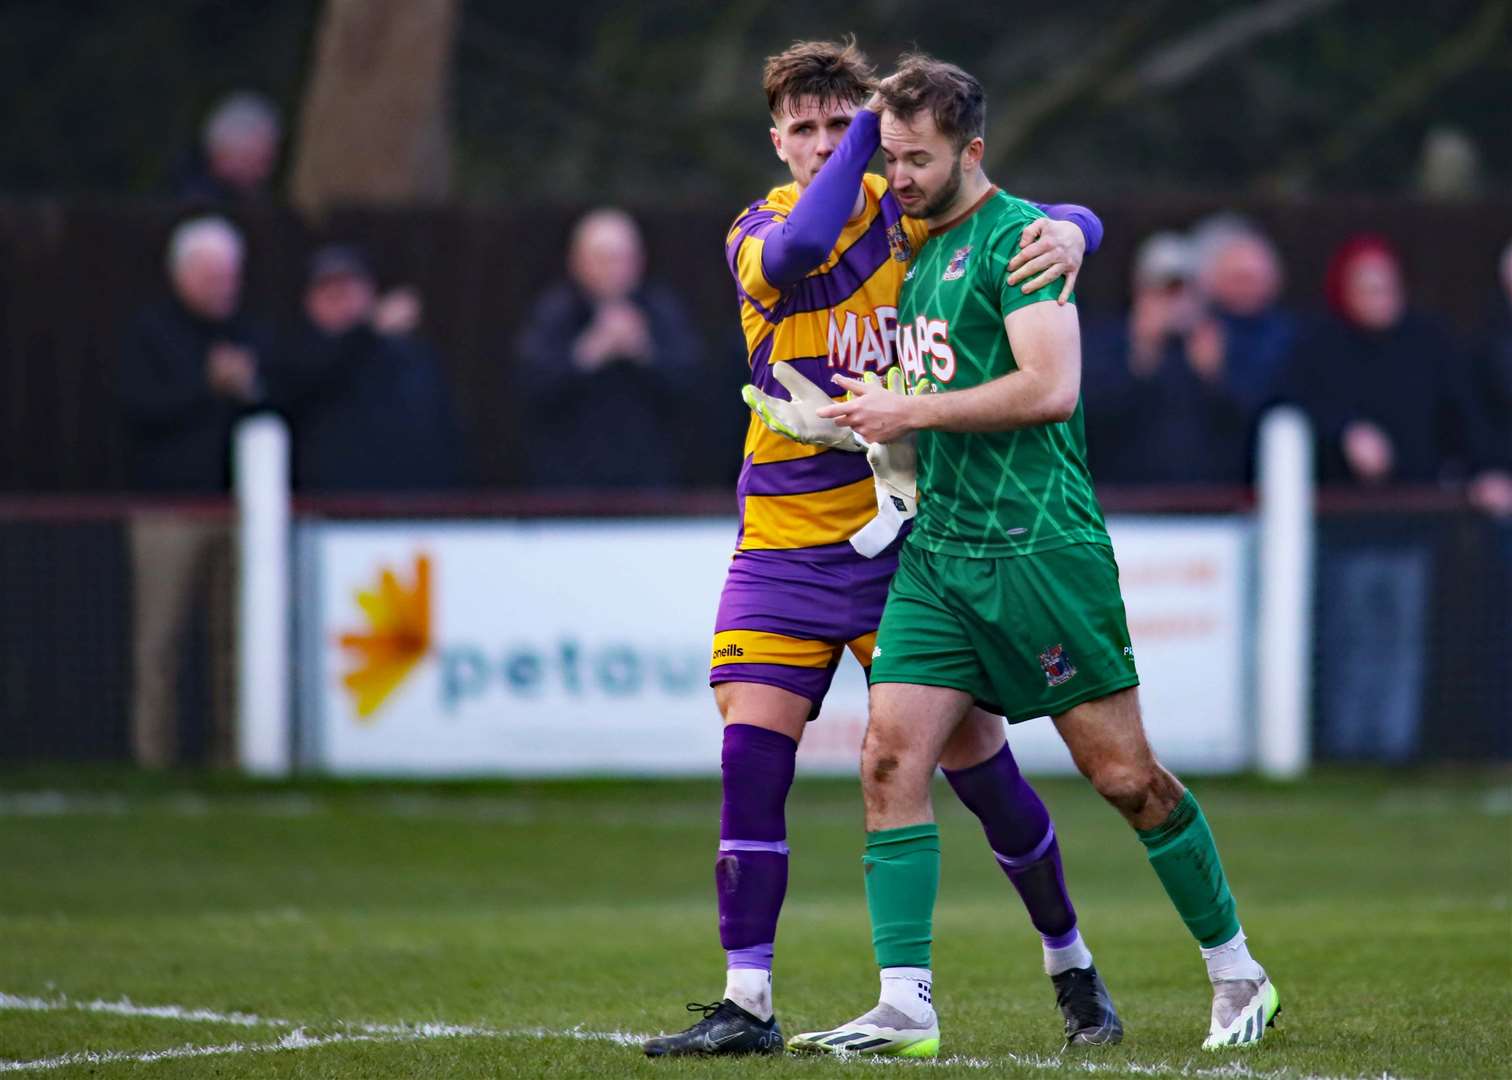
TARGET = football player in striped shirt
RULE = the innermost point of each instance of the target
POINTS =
(817, 266)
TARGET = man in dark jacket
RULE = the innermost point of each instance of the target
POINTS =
(1384, 386)
(606, 362)
(190, 367)
(367, 401)
(1158, 407)
(1248, 332)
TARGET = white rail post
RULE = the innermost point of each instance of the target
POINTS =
(1287, 540)
(261, 485)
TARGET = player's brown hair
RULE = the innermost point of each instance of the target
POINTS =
(828, 71)
(953, 98)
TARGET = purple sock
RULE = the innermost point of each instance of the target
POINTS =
(752, 869)
(1018, 827)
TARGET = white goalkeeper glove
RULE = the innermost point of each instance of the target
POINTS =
(799, 418)
(894, 468)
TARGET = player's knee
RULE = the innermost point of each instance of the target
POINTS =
(1129, 788)
(883, 753)
(762, 706)
(883, 768)
(976, 740)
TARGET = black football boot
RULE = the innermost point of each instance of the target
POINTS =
(1084, 1001)
(726, 1028)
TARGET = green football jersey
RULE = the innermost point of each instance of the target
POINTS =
(987, 495)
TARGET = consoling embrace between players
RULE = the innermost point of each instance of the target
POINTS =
(927, 505)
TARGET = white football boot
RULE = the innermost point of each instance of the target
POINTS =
(884, 1030)
(1242, 1010)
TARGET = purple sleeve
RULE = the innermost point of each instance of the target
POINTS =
(791, 248)
(1081, 217)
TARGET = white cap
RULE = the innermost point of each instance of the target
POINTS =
(1164, 257)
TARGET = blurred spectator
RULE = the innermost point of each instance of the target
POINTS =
(190, 367)
(1450, 164)
(1491, 390)
(366, 398)
(1385, 388)
(606, 361)
(1248, 336)
(1385, 385)
(237, 154)
(1158, 408)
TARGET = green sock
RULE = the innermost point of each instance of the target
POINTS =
(902, 877)
(1185, 858)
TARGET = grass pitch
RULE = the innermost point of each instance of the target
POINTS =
(206, 927)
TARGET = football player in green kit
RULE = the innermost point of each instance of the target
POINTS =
(1006, 591)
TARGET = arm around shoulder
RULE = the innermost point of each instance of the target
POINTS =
(1082, 217)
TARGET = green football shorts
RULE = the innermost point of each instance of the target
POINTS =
(1026, 636)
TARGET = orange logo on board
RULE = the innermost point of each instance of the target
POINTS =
(398, 636)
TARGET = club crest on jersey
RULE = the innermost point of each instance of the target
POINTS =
(897, 242)
(956, 268)
(1057, 665)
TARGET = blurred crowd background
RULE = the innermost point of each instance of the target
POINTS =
(470, 247)
(481, 234)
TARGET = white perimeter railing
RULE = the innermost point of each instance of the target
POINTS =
(264, 616)
(1286, 542)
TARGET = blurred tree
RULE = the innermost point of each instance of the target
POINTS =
(106, 97)
(1449, 55)
(660, 101)
(375, 124)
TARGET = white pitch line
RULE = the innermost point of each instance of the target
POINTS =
(425, 1029)
(620, 1038)
(297, 1038)
(126, 1007)
(294, 1040)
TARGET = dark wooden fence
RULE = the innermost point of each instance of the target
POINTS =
(72, 273)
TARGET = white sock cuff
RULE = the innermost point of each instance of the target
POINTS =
(751, 989)
(910, 990)
(1233, 944)
(1232, 960)
(1074, 955)
(752, 976)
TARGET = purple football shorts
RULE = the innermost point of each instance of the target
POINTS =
(785, 619)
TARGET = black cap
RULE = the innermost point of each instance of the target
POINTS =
(339, 260)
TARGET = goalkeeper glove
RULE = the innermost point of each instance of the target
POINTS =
(894, 468)
(798, 419)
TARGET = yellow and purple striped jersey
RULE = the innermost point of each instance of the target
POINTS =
(839, 319)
